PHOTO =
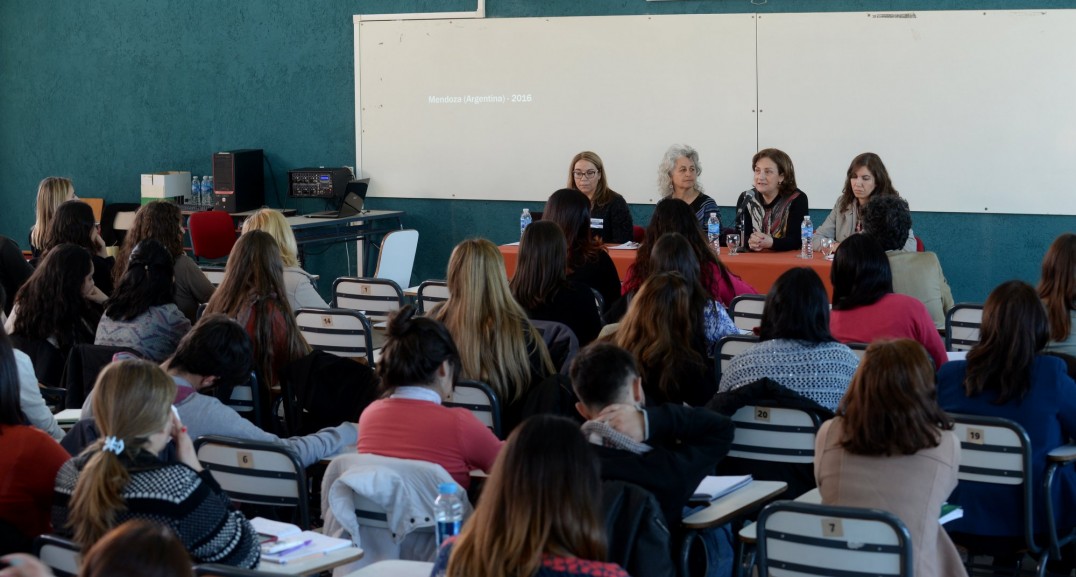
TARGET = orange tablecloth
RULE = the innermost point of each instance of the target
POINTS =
(760, 269)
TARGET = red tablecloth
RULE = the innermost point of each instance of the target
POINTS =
(760, 269)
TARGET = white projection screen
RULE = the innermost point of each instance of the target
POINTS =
(972, 111)
(495, 109)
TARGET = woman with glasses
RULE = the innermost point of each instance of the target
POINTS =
(678, 176)
(610, 219)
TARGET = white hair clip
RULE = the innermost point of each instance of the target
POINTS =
(113, 445)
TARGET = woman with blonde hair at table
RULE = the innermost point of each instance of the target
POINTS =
(51, 192)
(298, 284)
(586, 174)
(678, 176)
(865, 179)
(1057, 289)
(497, 343)
(770, 213)
(891, 447)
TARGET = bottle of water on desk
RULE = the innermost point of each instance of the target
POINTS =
(207, 191)
(524, 221)
(806, 236)
(447, 511)
(713, 232)
(196, 191)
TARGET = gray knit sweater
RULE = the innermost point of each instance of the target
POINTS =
(818, 371)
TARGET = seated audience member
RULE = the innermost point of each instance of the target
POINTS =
(865, 307)
(542, 288)
(1005, 375)
(74, 223)
(163, 222)
(29, 460)
(497, 343)
(867, 180)
(892, 448)
(299, 284)
(419, 367)
(58, 308)
(770, 214)
(52, 191)
(252, 293)
(671, 216)
(673, 253)
(14, 270)
(119, 477)
(795, 346)
(588, 263)
(666, 449)
(141, 314)
(540, 511)
(137, 548)
(217, 353)
(34, 409)
(678, 180)
(916, 274)
(1057, 289)
(658, 331)
(610, 219)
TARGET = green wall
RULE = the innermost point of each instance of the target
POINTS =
(103, 91)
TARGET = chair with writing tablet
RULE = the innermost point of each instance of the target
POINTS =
(374, 297)
(215, 274)
(256, 472)
(397, 257)
(746, 311)
(430, 294)
(796, 538)
(962, 326)
(481, 400)
(728, 347)
(342, 332)
(61, 555)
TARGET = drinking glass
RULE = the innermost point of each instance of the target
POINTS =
(826, 244)
(733, 242)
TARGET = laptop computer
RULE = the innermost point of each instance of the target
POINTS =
(350, 206)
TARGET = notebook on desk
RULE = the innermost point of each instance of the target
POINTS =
(350, 206)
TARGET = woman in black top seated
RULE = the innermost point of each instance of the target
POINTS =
(610, 217)
(770, 214)
(74, 223)
(542, 288)
(588, 263)
(58, 307)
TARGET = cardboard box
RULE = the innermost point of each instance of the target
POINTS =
(160, 185)
(173, 199)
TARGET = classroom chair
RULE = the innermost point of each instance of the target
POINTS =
(116, 219)
(962, 326)
(746, 311)
(728, 347)
(430, 294)
(373, 297)
(61, 555)
(481, 400)
(215, 274)
(860, 349)
(342, 332)
(397, 257)
(207, 569)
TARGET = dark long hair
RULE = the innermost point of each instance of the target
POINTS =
(148, 282)
(860, 273)
(1057, 285)
(796, 308)
(73, 223)
(542, 497)
(542, 268)
(10, 406)
(570, 210)
(891, 406)
(1013, 331)
(158, 220)
(51, 303)
(674, 215)
(415, 348)
(673, 253)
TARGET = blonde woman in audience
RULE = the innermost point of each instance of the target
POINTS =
(163, 222)
(892, 448)
(120, 476)
(51, 192)
(1057, 289)
(252, 293)
(539, 515)
(497, 343)
(298, 284)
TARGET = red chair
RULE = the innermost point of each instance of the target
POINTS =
(637, 233)
(212, 234)
(919, 246)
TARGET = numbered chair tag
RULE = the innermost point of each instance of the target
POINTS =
(832, 528)
(762, 414)
(245, 459)
(975, 436)
(326, 321)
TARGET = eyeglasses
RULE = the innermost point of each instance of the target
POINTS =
(587, 175)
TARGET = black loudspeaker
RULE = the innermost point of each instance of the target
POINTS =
(238, 181)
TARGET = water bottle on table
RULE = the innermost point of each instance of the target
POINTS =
(207, 191)
(713, 232)
(448, 511)
(524, 221)
(806, 236)
(196, 191)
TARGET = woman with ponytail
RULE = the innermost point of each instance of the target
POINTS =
(120, 477)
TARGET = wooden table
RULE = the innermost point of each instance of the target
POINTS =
(759, 269)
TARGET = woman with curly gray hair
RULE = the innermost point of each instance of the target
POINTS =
(678, 176)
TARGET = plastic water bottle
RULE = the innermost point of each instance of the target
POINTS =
(196, 190)
(806, 236)
(524, 221)
(713, 232)
(207, 191)
(447, 511)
